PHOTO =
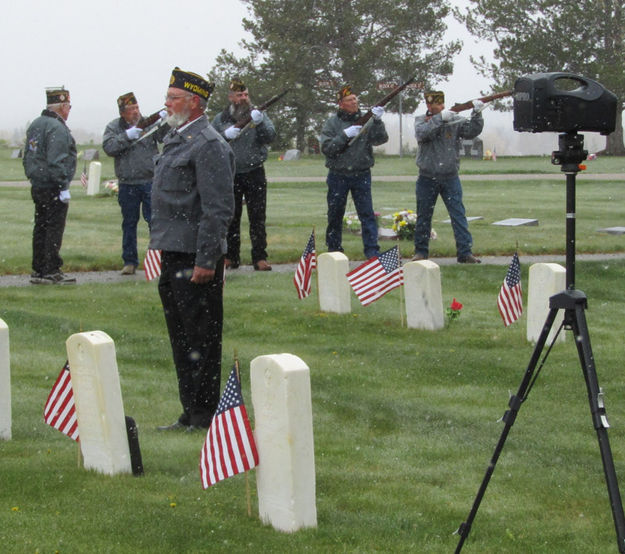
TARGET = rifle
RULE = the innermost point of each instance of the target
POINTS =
(364, 119)
(145, 122)
(468, 105)
(243, 124)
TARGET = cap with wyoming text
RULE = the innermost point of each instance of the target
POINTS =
(57, 95)
(191, 82)
(435, 97)
(127, 99)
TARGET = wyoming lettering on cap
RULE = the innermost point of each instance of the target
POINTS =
(191, 82)
(435, 97)
(127, 99)
(56, 95)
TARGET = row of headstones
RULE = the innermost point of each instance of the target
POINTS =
(280, 385)
(423, 295)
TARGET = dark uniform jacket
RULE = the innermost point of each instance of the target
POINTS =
(359, 156)
(50, 152)
(192, 198)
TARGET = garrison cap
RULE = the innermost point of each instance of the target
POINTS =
(345, 90)
(127, 99)
(56, 95)
(237, 85)
(435, 97)
(191, 82)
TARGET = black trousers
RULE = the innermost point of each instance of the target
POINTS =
(194, 317)
(252, 186)
(50, 216)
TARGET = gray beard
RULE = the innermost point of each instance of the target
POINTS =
(177, 119)
(240, 112)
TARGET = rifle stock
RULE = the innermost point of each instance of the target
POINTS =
(145, 122)
(247, 120)
(468, 105)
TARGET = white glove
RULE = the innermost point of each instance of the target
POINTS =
(232, 132)
(64, 196)
(478, 106)
(447, 115)
(134, 133)
(162, 114)
(377, 111)
(352, 131)
(257, 116)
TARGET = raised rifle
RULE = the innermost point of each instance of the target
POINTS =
(145, 122)
(247, 121)
(468, 105)
(364, 119)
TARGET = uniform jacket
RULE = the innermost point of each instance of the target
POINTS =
(134, 160)
(359, 156)
(438, 141)
(250, 147)
(192, 198)
(50, 152)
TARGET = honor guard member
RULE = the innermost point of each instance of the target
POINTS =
(134, 168)
(349, 158)
(192, 204)
(439, 133)
(49, 163)
(250, 149)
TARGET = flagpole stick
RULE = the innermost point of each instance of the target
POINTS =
(401, 289)
(316, 271)
(248, 494)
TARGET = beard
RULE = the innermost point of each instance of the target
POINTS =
(240, 111)
(177, 119)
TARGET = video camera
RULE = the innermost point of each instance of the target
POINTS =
(563, 103)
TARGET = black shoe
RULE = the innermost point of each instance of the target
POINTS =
(195, 428)
(59, 278)
(39, 279)
(176, 426)
(470, 259)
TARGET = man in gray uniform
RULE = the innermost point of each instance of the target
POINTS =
(134, 168)
(439, 133)
(250, 149)
(192, 204)
(49, 163)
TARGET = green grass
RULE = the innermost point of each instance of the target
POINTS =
(405, 422)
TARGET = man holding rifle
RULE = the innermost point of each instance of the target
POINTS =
(438, 134)
(134, 168)
(349, 158)
(249, 143)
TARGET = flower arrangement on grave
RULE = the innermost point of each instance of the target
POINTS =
(111, 188)
(404, 223)
(453, 311)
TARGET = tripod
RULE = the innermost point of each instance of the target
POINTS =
(573, 303)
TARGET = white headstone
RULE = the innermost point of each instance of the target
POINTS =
(98, 399)
(95, 172)
(423, 294)
(5, 383)
(285, 475)
(292, 154)
(545, 280)
(334, 289)
(516, 222)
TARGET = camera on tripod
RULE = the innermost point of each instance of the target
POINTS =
(562, 103)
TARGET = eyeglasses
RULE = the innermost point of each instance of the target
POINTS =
(170, 97)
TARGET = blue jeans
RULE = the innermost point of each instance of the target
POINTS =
(360, 187)
(133, 200)
(450, 191)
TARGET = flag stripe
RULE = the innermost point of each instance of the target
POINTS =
(60, 411)
(303, 273)
(510, 299)
(152, 264)
(377, 276)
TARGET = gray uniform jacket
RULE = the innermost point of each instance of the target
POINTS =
(192, 198)
(438, 154)
(250, 147)
(50, 152)
(134, 160)
(356, 158)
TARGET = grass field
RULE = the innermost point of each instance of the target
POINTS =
(405, 421)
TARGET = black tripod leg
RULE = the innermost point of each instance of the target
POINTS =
(600, 422)
(508, 418)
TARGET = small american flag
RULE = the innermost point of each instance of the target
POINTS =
(303, 272)
(377, 276)
(510, 299)
(83, 179)
(229, 447)
(152, 264)
(60, 411)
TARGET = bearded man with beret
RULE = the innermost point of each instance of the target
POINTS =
(439, 133)
(250, 149)
(134, 168)
(192, 205)
(348, 149)
(49, 163)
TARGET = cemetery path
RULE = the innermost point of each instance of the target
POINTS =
(114, 277)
